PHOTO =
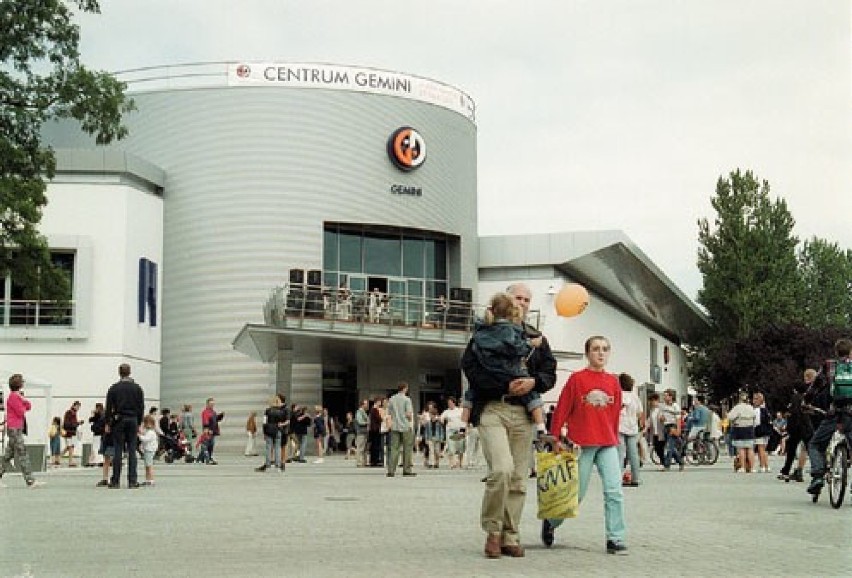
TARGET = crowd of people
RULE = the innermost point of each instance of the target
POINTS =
(509, 366)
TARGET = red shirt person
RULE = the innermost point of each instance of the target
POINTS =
(589, 405)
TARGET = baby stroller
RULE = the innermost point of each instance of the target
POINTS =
(177, 448)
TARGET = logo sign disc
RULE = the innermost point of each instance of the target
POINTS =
(406, 149)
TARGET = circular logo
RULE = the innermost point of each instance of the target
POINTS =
(406, 148)
(243, 70)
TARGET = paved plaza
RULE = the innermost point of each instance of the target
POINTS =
(333, 519)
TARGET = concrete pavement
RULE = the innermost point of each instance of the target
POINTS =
(337, 520)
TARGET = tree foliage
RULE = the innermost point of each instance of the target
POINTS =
(773, 311)
(747, 258)
(42, 78)
(771, 360)
(826, 273)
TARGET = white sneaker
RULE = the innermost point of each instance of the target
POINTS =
(319, 461)
(37, 484)
(739, 470)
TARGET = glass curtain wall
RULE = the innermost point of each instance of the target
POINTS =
(410, 267)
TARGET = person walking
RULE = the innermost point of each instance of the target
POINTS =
(505, 431)
(590, 405)
(273, 430)
(251, 434)
(210, 421)
(669, 416)
(401, 413)
(655, 428)
(70, 423)
(362, 424)
(631, 421)
(799, 429)
(742, 420)
(125, 408)
(762, 431)
(17, 407)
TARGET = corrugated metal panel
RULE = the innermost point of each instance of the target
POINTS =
(251, 175)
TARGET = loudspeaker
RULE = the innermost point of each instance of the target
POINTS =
(315, 278)
(295, 301)
(314, 304)
(459, 317)
(461, 294)
(297, 276)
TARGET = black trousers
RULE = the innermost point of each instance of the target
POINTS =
(792, 450)
(125, 436)
(375, 439)
(660, 449)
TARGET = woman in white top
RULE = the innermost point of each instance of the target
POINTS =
(741, 419)
(631, 420)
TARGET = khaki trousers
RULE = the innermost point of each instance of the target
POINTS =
(505, 433)
(405, 439)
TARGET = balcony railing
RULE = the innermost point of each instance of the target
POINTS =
(35, 313)
(374, 314)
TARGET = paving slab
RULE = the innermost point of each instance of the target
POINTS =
(334, 519)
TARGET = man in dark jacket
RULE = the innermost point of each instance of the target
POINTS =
(125, 407)
(799, 429)
(503, 422)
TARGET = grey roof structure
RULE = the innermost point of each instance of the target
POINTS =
(609, 264)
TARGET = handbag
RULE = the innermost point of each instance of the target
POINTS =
(557, 485)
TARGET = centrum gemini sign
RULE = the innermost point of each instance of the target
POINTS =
(357, 79)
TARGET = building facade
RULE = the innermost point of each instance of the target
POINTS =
(305, 229)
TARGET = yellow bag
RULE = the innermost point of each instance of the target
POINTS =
(558, 483)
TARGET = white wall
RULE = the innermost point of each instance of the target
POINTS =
(630, 339)
(110, 225)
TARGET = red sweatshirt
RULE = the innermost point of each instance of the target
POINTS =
(590, 403)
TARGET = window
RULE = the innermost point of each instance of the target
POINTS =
(20, 305)
(383, 255)
(350, 252)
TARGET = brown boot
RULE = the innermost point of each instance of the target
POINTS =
(492, 546)
(513, 550)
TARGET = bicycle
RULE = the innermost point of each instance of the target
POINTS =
(838, 458)
(701, 450)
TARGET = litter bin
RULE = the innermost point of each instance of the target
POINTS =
(87, 453)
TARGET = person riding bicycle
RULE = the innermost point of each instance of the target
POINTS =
(698, 420)
(832, 384)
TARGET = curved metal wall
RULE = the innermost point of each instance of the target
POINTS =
(251, 175)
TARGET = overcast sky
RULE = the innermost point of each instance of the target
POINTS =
(590, 115)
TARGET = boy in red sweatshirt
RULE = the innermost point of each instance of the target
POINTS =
(590, 405)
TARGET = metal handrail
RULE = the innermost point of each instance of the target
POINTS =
(294, 306)
(37, 313)
(301, 303)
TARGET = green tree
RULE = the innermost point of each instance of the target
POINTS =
(748, 259)
(826, 272)
(42, 78)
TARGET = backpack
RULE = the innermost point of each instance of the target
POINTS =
(841, 386)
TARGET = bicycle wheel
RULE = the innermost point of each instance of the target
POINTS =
(838, 471)
(711, 452)
(692, 453)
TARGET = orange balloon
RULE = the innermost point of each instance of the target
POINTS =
(571, 300)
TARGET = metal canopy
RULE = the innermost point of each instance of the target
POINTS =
(263, 342)
(609, 264)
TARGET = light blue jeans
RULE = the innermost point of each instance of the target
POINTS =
(609, 470)
(629, 445)
(273, 449)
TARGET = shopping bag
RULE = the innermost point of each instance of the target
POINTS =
(558, 484)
